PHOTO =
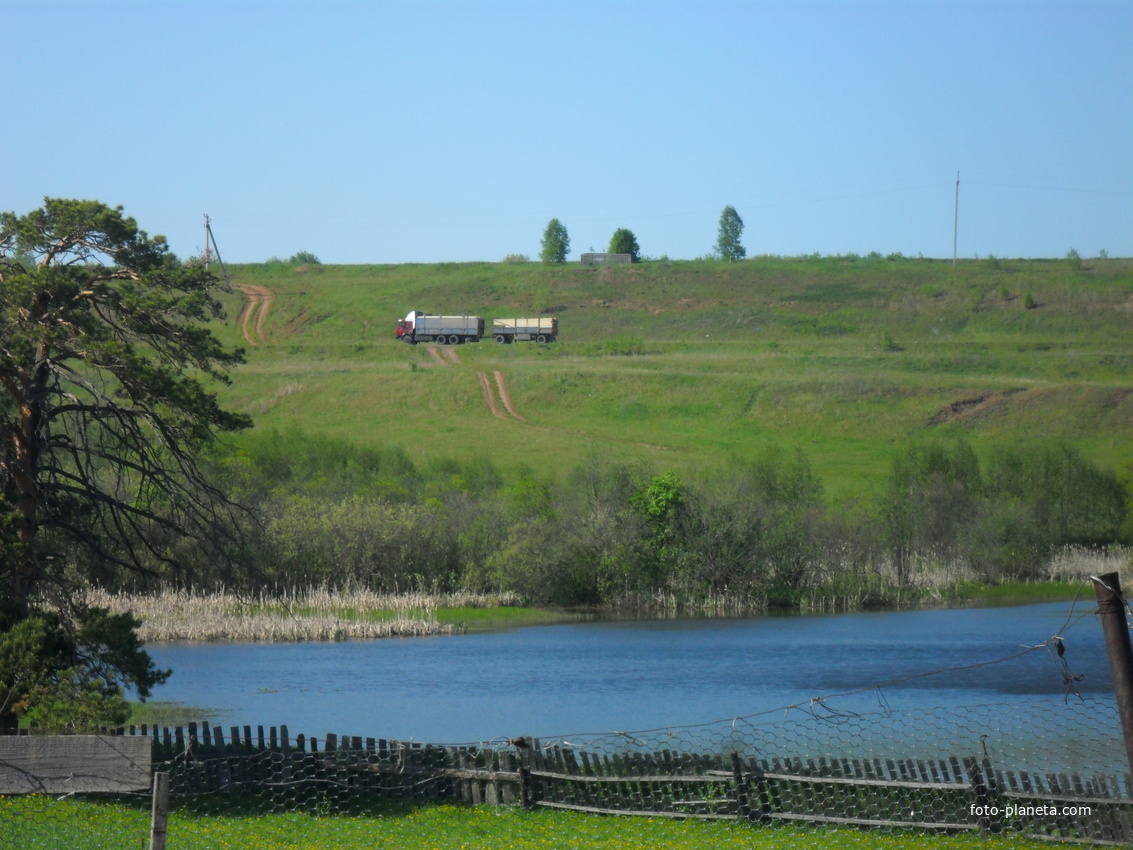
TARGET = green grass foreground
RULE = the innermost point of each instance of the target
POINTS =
(43, 823)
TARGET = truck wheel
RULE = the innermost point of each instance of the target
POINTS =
(541, 338)
(500, 338)
(454, 340)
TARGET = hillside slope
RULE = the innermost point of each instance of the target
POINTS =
(691, 365)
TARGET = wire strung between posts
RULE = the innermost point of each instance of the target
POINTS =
(832, 715)
(1068, 680)
(805, 707)
(1056, 645)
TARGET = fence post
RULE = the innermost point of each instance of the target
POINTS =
(160, 817)
(742, 805)
(1111, 608)
(523, 759)
(980, 781)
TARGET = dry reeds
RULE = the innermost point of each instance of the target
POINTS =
(319, 614)
(1075, 563)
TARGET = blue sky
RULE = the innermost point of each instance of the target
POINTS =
(384, 132)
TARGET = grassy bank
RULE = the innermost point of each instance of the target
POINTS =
(41, 822)
(691, 365)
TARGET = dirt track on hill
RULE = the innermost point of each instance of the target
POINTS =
(505, 395)
(254, 312)
(443, 356)
(500, 394)
(486, 385)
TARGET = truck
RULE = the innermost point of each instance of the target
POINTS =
(453, 330)
(534, 330)
(446, 330)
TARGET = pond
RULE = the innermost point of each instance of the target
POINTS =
(566, 681)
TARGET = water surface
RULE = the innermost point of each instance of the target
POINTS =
(564, 679)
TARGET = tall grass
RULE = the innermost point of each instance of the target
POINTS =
(317, 614)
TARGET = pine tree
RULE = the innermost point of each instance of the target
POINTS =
(104, 353)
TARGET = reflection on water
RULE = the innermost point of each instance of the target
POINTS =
(555, 682)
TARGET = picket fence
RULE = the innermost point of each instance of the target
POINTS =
(955, 794)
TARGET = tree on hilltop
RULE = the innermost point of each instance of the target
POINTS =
(728, 240)
(103, 410)
(624, 242)
(556, 242)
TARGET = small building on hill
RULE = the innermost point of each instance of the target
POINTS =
(605, 259)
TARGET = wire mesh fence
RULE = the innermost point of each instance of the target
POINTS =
(970, 768)
(1053, 768)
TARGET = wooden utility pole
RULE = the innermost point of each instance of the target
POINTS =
(1111, 609)
(210, 247)
(208, 238)
(956, 220)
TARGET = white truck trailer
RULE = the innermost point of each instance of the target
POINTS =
(446, 330)
(531, 330)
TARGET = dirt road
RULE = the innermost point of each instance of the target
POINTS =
(254, 312)
(486, 385)
(443, 355)
(505, 395)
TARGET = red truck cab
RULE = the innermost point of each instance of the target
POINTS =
(407, 326)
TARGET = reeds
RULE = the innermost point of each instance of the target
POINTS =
(317, 614)
(1075, 563)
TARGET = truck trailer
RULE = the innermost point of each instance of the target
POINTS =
(446, 330)
(532, 330)
(453, 330)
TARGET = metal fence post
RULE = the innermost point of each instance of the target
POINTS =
(160, 817)
(1111, 608)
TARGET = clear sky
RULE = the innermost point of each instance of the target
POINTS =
(423, 131)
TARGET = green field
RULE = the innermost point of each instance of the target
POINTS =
(32, 823)
(692, 365)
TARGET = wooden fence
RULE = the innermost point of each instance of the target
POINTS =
(954, 794)
(74, 764)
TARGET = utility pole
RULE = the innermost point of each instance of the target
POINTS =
(210, 248)
(956, 220)
(208, 237)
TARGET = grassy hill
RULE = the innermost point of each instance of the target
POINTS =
(690, 365)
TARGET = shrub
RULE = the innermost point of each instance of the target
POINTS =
(887, 343)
